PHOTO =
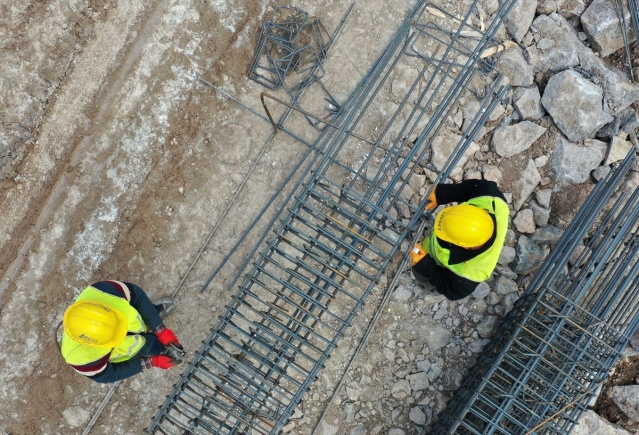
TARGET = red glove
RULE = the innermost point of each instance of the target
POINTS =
(167, 336)
(162, 361)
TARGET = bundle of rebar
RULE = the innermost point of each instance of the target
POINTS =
(290, 41)
(566, 332)
(336, 232)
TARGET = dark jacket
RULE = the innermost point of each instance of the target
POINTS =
(447, 282)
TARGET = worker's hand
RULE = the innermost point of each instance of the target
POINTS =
(416, 254)
(167, 336)
(432, 201)
(162, 361)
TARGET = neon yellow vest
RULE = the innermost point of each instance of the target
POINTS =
(479, 268)
(76, 353)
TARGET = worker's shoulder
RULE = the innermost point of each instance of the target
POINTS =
(115, 288)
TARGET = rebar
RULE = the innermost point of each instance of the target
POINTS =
(634, 15)
(325, 249)
(565, 333)
(621, 16)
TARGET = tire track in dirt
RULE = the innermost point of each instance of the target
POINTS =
(48, 192)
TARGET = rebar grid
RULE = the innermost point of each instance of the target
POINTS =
(331, 240)
(567, 330)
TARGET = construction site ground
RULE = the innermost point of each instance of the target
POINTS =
(126, 165)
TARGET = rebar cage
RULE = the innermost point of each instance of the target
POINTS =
(339, 228)
(566, 332)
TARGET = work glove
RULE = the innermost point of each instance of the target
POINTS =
(167, 336)
(162, 361)
(416, 254)
(432, 201)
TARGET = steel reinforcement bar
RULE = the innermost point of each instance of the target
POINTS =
(565, 333)
(337, 232)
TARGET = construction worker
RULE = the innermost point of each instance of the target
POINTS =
(462, 248)
(113, 331)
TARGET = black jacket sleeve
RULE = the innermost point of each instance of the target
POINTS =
(141, 302)
(446, 282)
(466, 190)
(118, 371)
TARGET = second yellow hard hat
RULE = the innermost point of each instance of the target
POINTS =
(464, 225)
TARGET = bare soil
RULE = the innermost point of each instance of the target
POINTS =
(626, 372)
(117, 163)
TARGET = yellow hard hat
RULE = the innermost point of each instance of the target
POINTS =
(95, 324)
(464, 225)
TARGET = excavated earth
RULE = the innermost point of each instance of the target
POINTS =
(116, 162)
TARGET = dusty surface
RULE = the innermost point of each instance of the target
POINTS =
(116, 163)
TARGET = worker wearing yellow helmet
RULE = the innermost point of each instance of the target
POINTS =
(462, 248)
(113, 331)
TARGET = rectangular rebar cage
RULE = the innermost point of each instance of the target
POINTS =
(565, 333)
(338, 230)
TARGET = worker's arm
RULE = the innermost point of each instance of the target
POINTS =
(446, 282)
(136, 297)
(466, 190)
(104, 372)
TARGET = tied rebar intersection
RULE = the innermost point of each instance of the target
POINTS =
(563, 336)
(338, 229)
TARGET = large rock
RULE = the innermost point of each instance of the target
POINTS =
(529, 256)
(590, 423)
(566, 8)
(504, 286)
(443, 147)
(559, 48)
(514, 139)
(627, 399)
(520, 17)
(435, 336)
(619, 149)
(575, 105)
(541, 215)
(524, 186)
(601, 24)
(524, 222)
(571, 163)
(627, 120)
(527, 102)
(513, 66)
(549, 235)
(619, 91)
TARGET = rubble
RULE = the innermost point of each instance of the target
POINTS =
(425, 344)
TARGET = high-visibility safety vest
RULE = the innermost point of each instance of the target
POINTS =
(478, 268)
(78, 354)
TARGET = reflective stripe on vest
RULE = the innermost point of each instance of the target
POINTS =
(78, 354)
(479, 268)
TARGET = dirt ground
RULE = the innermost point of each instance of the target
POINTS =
(117, 163)
(626, 372)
